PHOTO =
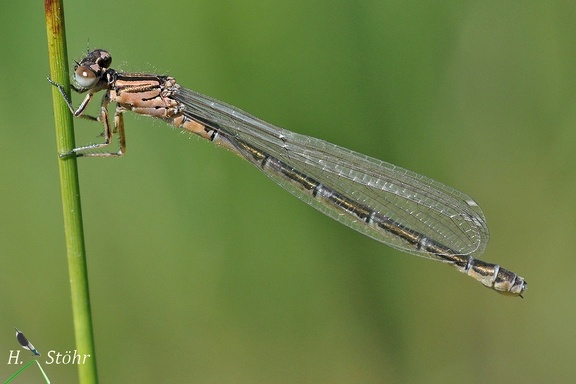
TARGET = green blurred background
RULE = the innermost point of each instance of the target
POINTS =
(202, 270)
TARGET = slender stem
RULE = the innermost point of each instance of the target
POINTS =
(19, 371)
(70, 192)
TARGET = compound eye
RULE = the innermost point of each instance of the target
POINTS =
(85, 77)
(105, 60)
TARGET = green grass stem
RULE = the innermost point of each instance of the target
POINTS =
(70, 191)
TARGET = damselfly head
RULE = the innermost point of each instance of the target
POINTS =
(89, 71)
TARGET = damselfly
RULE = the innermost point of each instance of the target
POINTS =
(397, 207)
